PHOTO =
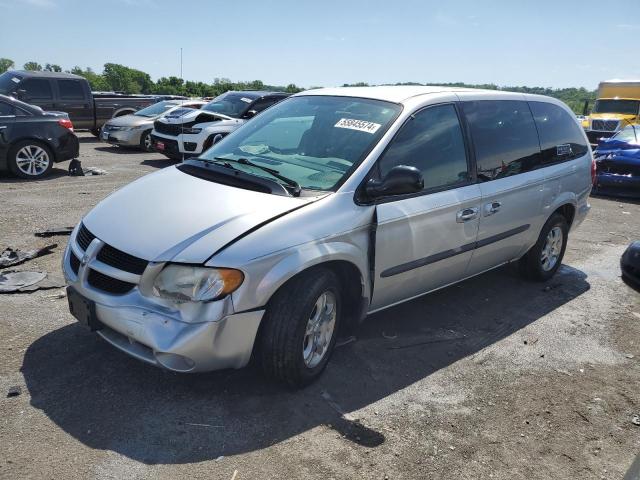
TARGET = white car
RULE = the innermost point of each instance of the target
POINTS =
(184, 136)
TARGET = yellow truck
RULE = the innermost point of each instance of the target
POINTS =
(617, 106)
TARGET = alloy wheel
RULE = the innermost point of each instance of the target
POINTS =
(32, 160)
(552, 249)
(319, 329)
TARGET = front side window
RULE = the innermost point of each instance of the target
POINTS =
(629, 134)
(561, 138)
(9, 81)
(37, 89)
(70, 90)
(504, 137)
(314, 140)
(432, 141)
(6, 109)
(264, 103)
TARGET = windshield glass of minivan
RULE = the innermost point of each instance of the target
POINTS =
(8, 82)
(230, 104)
(312, 140)
(155, 109)
(628, 107)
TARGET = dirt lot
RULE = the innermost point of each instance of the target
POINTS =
(492, 378)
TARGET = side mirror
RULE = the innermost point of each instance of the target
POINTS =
(21, 95)
(400, 180)
(250, 114)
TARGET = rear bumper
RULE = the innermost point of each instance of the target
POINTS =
(68, 147)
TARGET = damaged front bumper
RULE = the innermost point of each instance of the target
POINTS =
(188, 337)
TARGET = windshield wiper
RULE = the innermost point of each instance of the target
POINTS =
(295, 186)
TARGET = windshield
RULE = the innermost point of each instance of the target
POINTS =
(232, 104)
(155, 109)
(628, 134)
(315, 141)
(8, 82)
(627, 107)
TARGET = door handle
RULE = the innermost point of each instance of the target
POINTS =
(466, 214)
(491, 208)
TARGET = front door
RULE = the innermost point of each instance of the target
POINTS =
(73, 100)
(424, 241)
(508, 160)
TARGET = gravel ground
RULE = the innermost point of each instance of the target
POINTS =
(492, 378)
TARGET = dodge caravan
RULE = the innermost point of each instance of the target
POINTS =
(331, 205)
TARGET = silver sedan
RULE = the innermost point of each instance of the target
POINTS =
(134, 130)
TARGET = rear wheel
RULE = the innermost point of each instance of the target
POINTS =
(300, 328)
(30, 159)
(542, 261)
(145, 141)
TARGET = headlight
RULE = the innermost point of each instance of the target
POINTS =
(191, 131)
(185, 283)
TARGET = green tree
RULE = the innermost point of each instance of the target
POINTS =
(33, 66)
(125, 79)
(6, 64)
(52, 67)
(96, 81)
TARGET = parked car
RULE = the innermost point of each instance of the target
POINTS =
(31, 140)
(184, 136)
(618, 164)
(330, 205)
(71, 94)
(134, 130)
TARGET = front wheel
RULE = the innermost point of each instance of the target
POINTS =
(300, 328)
(145, 141)
(30, 159)
(542, 261)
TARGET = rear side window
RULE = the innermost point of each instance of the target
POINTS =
(504, 136)
(561, 138)
(432, 141)
(70, 90)
(6, 109)
(37, 89)
(264, 103)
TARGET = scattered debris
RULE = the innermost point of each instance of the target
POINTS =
(532, 341)
(564, 371)
(582, 416)
(94, 171)
(14, 391)
(389, 337)
(235, 474)
(220, 458)
(636, 314)
(629, 356)
(204, 425)
(75, 168)
(10, 257)
(61, 294)
(345, 341)
(636, 420)
(50, 232)
(12, 281)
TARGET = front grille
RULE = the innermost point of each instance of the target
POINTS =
(120, 260)
(167, 128)
(108, 284)
(84, 237)
(605, 125)
(75, 263)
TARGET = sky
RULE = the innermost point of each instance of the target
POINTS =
(560, 43)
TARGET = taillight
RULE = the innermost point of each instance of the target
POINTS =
(593, 171)
(66, 123)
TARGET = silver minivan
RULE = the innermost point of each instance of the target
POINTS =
(331, 205)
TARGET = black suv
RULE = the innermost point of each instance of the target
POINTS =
(31, 140)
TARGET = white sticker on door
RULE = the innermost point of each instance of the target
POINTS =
(360, 125)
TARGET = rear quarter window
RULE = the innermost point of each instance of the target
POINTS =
(504, 137)
(560, 135)
(70, 90)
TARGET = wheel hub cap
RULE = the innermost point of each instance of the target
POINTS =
(552, 248)
(319, 330)
(32, 160)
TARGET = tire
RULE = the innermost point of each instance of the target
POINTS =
(287, 351)
(30, 159)
(537, 263)
(95, 132)
(145, 141)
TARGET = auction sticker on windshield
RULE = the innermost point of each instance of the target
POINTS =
(360, 125)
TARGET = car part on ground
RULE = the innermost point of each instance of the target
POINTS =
(10, 257)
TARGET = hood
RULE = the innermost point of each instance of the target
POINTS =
(129, 121)
(170, 215)
(194, 117)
